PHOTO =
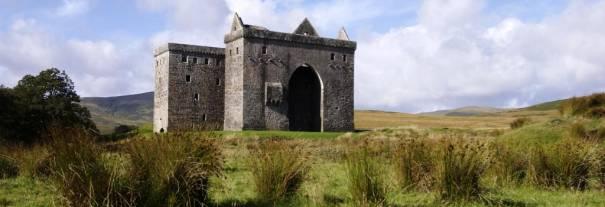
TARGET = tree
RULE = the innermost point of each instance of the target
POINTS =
(9, 112)
(45, 101)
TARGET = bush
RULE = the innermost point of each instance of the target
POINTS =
(520, 122)
(414, 164)
(463, 164)
(566, 164)
(588, 106)
(365, 174)
(510, 165)
(278, 169)
(578, 130)
(173, 170)
(8, 167)
(79, 171)
(170, 170)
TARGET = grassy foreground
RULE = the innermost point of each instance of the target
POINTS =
(327, 177)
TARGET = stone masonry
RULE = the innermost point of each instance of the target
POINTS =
(261, 80)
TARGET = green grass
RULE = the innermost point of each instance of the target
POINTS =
(327, 181)
(281, 134)
(535, 135)
(28, 192)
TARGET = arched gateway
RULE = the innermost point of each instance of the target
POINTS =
(304, 100)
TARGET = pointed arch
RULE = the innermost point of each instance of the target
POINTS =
(305, 100)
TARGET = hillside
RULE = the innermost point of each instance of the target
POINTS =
(465, 111)
(108, 112)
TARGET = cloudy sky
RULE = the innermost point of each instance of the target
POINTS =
(412, 55)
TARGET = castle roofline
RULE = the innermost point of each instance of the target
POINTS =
(189, 49)
(250, 32)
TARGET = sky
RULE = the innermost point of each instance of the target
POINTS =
(412, 55)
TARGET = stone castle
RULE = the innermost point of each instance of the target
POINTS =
(261, 80)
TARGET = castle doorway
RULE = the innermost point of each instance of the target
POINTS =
(304, 100)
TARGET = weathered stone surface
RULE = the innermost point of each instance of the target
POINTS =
(190, 87)
(258, 67)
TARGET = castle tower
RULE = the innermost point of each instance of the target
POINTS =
(189, 88)
(287, 81)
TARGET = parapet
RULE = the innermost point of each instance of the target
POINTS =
(189, 49)
(304, 34)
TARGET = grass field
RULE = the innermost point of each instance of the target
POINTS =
(327, 181)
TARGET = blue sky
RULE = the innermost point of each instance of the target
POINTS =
(412, 55)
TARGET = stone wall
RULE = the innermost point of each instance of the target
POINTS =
(270, 58)
(195, 85)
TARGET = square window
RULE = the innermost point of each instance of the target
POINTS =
(332, 56)
(194, 60)
(206, 61)
(188, 78)
(183, 58)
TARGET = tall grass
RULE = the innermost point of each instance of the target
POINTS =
(279, 167)
(592, 106)
(169, 170)
(566, 164)
(415, 164)
(366, 176)
(8, 167)
(463, 164)
(579, 130)
(510, 165)
(79, 171)
(519, 122)
(173, 170)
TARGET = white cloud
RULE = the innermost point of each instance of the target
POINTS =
(449, 59)
(73, 7)
(99, 68)
(190, 21)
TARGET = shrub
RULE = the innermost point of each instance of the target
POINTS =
(510, 165)
(578, 130)
(365, 174)
(520, 122)
(588, 106)
(8, 167)
(173, 170)
(79, 172)
(278, 168)
(463, 164)
(414, 164)
(566, 164)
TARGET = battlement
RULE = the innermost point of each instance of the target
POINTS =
(250, 32)
(176, 47)
(304, 34)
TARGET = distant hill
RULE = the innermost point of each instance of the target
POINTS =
(108, 112)
(551, 105)
(465, 111)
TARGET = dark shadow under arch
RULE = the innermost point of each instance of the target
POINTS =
(304, 100)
